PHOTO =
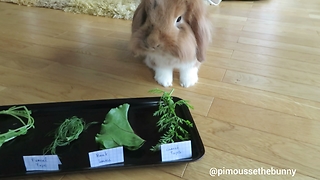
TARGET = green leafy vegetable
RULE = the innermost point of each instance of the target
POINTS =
(169, 122)
(116, 130)
(17, 112)
(67, 132)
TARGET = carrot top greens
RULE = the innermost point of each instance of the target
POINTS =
(169, 123)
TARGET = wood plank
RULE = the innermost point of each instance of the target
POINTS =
(117, 52)
(273, 85)
(279, 13)
(219, 52)
(12, 45)
(116, 84)
(313, 5)
(287, 31)
(258, 146)
(267, 71)
(6, 29)
(235, 5)
(283, 46)
(226, 25)
(111, 64)
(18, 95)
(217, 33)
(47, 177)
(47, 53)
(227, 18)
(226, 161)
(37, 89)
(102, 33)
(276, 8)
(212, 73)
(109, 41)
(2, 88)
(112, 24)
(284, 125)
(51, 24)
(22, 62)
(277, 62)
(42, 40)
(268, 100)
(277, 36)
(122, 175)
(303, 57)
(282, 25)
(174, 169)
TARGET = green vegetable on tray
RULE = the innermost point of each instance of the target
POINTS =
(67, 132)
(116, 130)
(169, 123)
(17, 112)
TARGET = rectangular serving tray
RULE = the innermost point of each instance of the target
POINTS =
(74, 157)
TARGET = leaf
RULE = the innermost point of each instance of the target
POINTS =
(116, 130)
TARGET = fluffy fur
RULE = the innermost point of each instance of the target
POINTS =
(171, 34)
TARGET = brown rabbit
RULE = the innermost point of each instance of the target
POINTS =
(171, 34)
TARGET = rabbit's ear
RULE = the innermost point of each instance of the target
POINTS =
(200, 25)
(139, 17)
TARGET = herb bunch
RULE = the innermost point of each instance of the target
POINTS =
(169, 122)
(67, 132)
(19, 113)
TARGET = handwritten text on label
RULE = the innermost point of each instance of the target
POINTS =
(42, 163)
(105, 157)
(176, 151)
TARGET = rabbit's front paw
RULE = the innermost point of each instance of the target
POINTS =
(163, 77)
(188, 77)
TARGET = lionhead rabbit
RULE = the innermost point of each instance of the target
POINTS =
(171, 34)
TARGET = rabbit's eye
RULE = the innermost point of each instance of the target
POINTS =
(179, 19)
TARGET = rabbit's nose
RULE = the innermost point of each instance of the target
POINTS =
(155, 46)
(153, 40)
(152, 45)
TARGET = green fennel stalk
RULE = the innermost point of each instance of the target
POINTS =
(17, 112)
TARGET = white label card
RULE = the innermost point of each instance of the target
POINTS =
(107, 156)
(42, 163)
(176, 151)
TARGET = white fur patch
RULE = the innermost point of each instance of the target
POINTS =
(188, 76)
(163, 65)
(163, 76)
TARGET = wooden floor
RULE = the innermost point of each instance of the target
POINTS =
(257, 102)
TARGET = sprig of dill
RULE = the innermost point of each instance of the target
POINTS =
(169, 122)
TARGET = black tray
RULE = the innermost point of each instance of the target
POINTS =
(74, 157)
